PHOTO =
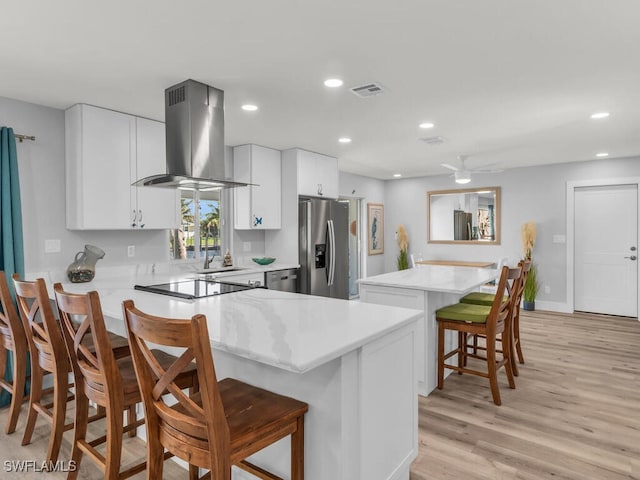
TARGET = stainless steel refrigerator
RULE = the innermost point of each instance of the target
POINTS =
(461, 225)
(324, 247)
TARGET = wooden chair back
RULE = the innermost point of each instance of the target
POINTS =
(11, 329)
(12, 339)
(517, 344)
(87, 340)
(501, 309)
(43, 333)
(525, 265)
(190, 424)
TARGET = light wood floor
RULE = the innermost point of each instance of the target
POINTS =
(575, 413)
(11, 450)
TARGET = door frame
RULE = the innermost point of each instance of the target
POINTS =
(570, 250)
(361, 233)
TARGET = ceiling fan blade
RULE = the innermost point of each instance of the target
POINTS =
(450, 167)
(493, 170)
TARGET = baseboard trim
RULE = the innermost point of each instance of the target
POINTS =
(559, 307)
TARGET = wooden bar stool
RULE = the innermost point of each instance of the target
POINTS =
(526, 267)
(104, 378)
(490, 322)
(12, 339)
(48, 355)
(219, 427)
(478, 298)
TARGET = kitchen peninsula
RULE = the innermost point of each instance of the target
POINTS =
(353, 363)
(427, 288)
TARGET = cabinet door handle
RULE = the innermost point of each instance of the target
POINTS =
(320, 189)
(140, 219)
(133, 219)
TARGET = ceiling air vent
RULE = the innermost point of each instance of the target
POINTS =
(433, 140)
(368, 90)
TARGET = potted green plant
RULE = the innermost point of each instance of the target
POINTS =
(532, 285)
(403, 244)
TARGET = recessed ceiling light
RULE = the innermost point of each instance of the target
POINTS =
(602, 154)
(600, 115)
(427, 125)
(333, 82)
(397, 175)
(249, 107)
(344, 140)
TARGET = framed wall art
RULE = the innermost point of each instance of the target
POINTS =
(375, 228)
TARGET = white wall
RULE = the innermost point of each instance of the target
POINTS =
(41, 169)
(536, 193)
(370, 190)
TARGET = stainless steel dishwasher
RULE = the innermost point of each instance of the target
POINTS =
(283, 280)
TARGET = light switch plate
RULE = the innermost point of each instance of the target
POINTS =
(52, 245)
(131, 251)
(559, 239)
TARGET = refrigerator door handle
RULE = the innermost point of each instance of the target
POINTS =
(332, 249)
(327, 252)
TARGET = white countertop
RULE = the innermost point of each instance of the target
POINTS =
(435, 278)
(291, 331)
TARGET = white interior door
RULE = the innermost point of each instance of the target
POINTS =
(606, 241)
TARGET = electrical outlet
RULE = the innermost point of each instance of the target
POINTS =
(547, 289)
(246, 246)
(52, 246)
(131, 251)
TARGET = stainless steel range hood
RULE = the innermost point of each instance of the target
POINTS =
(194, 123)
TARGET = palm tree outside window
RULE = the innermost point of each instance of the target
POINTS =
(200, 226)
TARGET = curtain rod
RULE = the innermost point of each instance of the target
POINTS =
(24, 137)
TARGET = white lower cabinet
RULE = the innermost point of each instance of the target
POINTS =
(106, 151)
(254, 278)
(427, 329)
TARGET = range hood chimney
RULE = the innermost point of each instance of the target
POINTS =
(194, 123)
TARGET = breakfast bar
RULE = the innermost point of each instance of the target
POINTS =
(352, 362)
(427, 288)
(456, 263)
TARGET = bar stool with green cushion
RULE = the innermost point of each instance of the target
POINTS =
(479, 298)
(489, 321)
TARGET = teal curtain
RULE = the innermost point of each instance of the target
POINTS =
(11, 244)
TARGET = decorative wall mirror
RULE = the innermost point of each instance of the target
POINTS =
(468, 215)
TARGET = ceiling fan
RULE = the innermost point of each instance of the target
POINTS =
(462, 174)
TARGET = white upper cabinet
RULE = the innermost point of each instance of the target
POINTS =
(157, 207)
(317, 174)
(257, 206)
(106, 152)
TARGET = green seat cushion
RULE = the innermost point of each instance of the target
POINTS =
(479, 298)
(464, 312)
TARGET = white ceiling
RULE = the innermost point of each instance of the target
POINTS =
(507, 82)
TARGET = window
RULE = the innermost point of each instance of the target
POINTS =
(200, 229)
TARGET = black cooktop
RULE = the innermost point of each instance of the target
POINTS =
(192, 289)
